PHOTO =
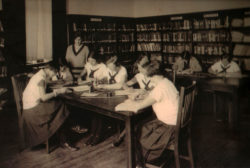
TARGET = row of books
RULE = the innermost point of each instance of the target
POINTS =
(126, 48)
(105, 37)
(124, 27)
(241, 50)
(211, 36)
(177, 25)
(149, 37)
(211, 23)
(176, 48)
(94, 27)
(127, 37)
(148, 47)
(241, 22)
(177, 37)
(239, 37)
(210, 49)
(107, 49)
(147, 27)
(3, 71)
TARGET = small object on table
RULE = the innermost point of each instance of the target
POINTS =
(110, 94)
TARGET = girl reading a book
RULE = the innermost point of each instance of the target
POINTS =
(164, 99)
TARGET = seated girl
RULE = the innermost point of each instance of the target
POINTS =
(94, 68)
(43, 115)
(164, 99)
(187, 64)
(144, 83)
(142, 59)
(225, 66)
(64, 72)
(141, 77)
(116, 74)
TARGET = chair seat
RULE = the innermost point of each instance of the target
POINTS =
(170, 147)
(182, 135)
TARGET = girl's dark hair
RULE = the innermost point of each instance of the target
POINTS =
(229, 57)
(186, 55)
(77, 34)
(95, 55)
(135, 68)
(52, 66)
(154, 68)
(141, 57)
(113, 58)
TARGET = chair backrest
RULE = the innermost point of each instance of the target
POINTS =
(19, 83)
(186, 103)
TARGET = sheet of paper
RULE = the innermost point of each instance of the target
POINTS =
(80, 88)
(127, 91)
(127, 105)
(86, 94)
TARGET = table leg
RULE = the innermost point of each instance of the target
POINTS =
(233, 112)
(131, 160)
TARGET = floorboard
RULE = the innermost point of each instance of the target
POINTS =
(214, 145)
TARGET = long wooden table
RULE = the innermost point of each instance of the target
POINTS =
(106, 106)
(233, 86)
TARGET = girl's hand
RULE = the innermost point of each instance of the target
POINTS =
(100, 86)
(79, 79)
(61, 90)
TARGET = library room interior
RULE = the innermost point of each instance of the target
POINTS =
(115, 84)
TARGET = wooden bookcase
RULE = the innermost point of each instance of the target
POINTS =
(3, 66)
(112, 34)
(206, 35)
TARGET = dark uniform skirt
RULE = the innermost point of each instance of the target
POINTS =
(42, 121)
(155, 136)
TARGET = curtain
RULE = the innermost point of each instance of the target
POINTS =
(38, 30)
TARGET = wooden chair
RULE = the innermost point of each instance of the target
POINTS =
(19, 83)
(182, 134)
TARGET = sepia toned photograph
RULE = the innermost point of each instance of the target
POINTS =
(124, 83)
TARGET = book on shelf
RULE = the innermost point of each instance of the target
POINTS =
(148, 47)
(237, 36)
(241, 50)
(247, 21)
(210, 49)
(247, 64)
(237, 22)
(179, 48)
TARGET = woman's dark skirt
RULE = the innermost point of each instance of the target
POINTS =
(42, 121)
(155, 136)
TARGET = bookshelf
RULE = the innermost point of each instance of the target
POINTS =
(3, 66)
(149, 39)
(113, 35)
(206, 35)
(240, 37)
(177, 37)
(211, 37)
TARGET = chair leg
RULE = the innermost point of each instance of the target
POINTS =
(47, 146)
(177, 159)
(215, 106)
(190, 153)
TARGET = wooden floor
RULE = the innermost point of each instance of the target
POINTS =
(213, 146)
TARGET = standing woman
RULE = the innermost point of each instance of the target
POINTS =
(76, 56)
(42, 115)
